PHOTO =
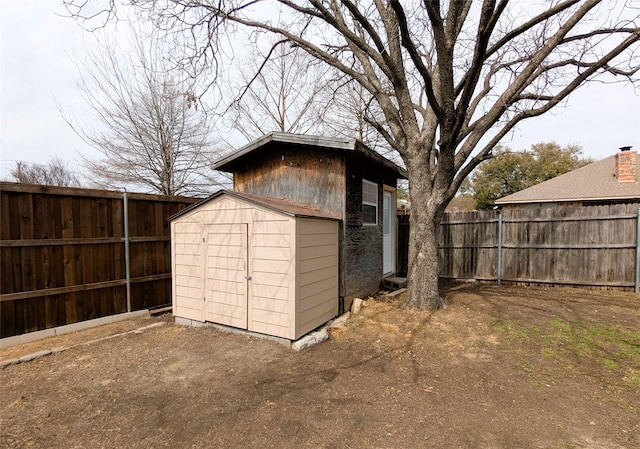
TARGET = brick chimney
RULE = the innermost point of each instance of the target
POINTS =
(626, 165)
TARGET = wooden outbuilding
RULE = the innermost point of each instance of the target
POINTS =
(338, 176)
(266, 265)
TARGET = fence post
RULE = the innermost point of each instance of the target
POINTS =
(637, 278)
(499, 248)
(127, 261)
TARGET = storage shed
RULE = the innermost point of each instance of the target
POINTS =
(262, 264)
(339, 176)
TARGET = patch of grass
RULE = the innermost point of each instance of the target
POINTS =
(608, 364)
(479, 343)
(627, 406)
(539, 376)
(572, 345)
(632, 378)
(548, 353)
(516, 330)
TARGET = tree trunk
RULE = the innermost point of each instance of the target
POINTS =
(422, 291)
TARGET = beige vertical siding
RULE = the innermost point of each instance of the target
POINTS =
(292, 262)
(316, 273)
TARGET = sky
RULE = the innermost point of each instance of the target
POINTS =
(37, 73)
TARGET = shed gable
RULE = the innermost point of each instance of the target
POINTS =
(314, 177)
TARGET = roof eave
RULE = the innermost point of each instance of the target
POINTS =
(565, 200)
(252, 201)
(329, 142)
(344, 144)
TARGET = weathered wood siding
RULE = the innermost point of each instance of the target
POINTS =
(592, 246)
(63, 254)
(315, 178)
(362, 248)
(316, 273)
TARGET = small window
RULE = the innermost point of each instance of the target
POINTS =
(369, 203)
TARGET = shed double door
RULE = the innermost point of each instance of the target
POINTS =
(226, 274)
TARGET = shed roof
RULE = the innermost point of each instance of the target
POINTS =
(593, 182)
(280, 205)
(228, 162)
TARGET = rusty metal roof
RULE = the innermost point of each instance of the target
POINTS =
(281, 205)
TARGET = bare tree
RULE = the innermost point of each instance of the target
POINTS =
(55, 172)
(284, 89)
(152, 134)
(451, 78)
(278, 89)
(352, 113)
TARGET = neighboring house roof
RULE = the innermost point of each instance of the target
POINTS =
(593, 182)
(227, 162)
(276, 204)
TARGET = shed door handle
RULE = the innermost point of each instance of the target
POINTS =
(247, 277)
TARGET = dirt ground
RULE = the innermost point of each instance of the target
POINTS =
(499, 367)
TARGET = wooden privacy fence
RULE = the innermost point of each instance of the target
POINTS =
(591, 246)
(69, 255)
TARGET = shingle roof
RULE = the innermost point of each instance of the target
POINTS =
(593, 182)
(281, 205)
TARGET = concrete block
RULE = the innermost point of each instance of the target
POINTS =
(311, 339)
(34, 355)
(8, 362)
(394, 282)
(7, 342)
(356, 305)
(235, 330)
(340, 321)
(151, 326)
(81, 325)
(68, 328)
(125, 316)
(33, 336)
(188, 322)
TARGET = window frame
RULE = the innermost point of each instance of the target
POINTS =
(369, 203)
